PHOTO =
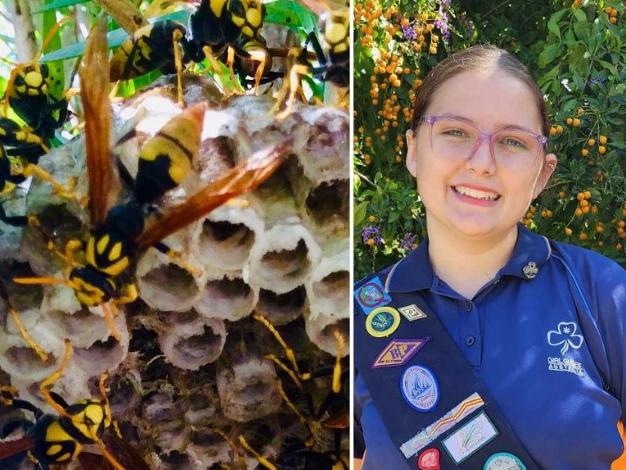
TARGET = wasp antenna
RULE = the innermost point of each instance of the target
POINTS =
(262, 460)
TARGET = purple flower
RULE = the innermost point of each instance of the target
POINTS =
(441, 23)
(597, 81)
(445, 3)
(371, 232)
(407, 241)
(409, 32)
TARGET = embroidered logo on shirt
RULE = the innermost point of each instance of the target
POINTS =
(565, 335)
(419, 388)
(372, 295)
(398, 352)
(436, 429)
(530, 270)
(412, 312)
(472, 436)
(504, 461)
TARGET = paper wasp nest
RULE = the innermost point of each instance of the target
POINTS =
(192, 372)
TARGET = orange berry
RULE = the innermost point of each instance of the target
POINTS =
(582, 236)
(584, 203)
(613, 20)
(580, 112)
(562, 194)
(569, 121)
(584, 152)
(568, 231)
(559, 129)
(553, 131)
(585, 210)
(603, 140)
(367, 159)
(371, 242)
(372, 218)
(594, 209)
(434, 38)
(578, 212)
(591, 142)
(549, 213)
(599, 228)
(432, 50)
(601, 149)
(576, 122)
(587, 194)
(619, 246)
(404, 22)
(398, 158)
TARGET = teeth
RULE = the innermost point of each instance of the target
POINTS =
(476, 194)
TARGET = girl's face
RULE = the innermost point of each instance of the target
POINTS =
(476, 195)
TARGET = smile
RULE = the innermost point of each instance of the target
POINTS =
(476, 194)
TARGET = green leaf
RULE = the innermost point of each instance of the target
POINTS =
(291, 14)
(553, 23)
(582, 30)
(549, 54)
(580, 15)
(57, 74)
(56, 4)
(360, 211)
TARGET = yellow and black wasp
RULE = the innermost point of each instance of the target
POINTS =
(101, 269)
(217, 28)
(51, 439)
(329, 417)
(29, 93)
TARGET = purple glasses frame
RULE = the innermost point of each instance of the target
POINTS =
(541, 139)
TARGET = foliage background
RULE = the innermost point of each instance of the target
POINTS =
(576, 51)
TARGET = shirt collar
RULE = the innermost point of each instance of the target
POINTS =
(415, 272)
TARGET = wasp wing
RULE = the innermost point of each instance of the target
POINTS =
(124, 453)
(236, 181)
(11, 448)
(94, 90)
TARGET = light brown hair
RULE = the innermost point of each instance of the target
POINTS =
(476, 58)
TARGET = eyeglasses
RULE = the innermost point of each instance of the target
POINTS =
(456, 137)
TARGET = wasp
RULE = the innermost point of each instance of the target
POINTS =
(216, 28)
(332, 415)
(101, 269)
(59, 438)
(333, 68)
(28, 93)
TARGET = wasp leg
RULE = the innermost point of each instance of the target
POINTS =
(341, 344)
(262, 460)
(26, 337)
(179, 258)
(128, 295)
(61, 190)
(288, 351)
(292, 407)
(177, 36)
(110, 312)
(286, 368)
(294, 85)
(46, 385)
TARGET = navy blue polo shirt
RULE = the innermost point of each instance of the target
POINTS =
(549, 346)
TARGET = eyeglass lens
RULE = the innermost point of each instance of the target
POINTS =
(458, 139)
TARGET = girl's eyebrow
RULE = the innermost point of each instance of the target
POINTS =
(499, 125)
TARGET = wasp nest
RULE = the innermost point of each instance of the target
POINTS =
(193, 370)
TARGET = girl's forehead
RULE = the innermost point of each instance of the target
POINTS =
(491, 98)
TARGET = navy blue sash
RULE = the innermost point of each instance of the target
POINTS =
(434, 405)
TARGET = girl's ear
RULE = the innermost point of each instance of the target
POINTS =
(547, 170)
(411, 154)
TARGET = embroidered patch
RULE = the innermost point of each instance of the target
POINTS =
(429, 460)
(382, 322)
(371, 295)
(560, 364)
(469, 438)
(565, 335)
(412, 312)
(398, 352)
(419, 388)
(504, 461)
(436, 429)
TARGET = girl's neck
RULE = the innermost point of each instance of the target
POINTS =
(466, 264)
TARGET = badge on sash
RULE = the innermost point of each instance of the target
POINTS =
(371, 295)
(429, 460)
(504, 461)
(470, 437)
(382, 322)
(398, 352)
(419, 388)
